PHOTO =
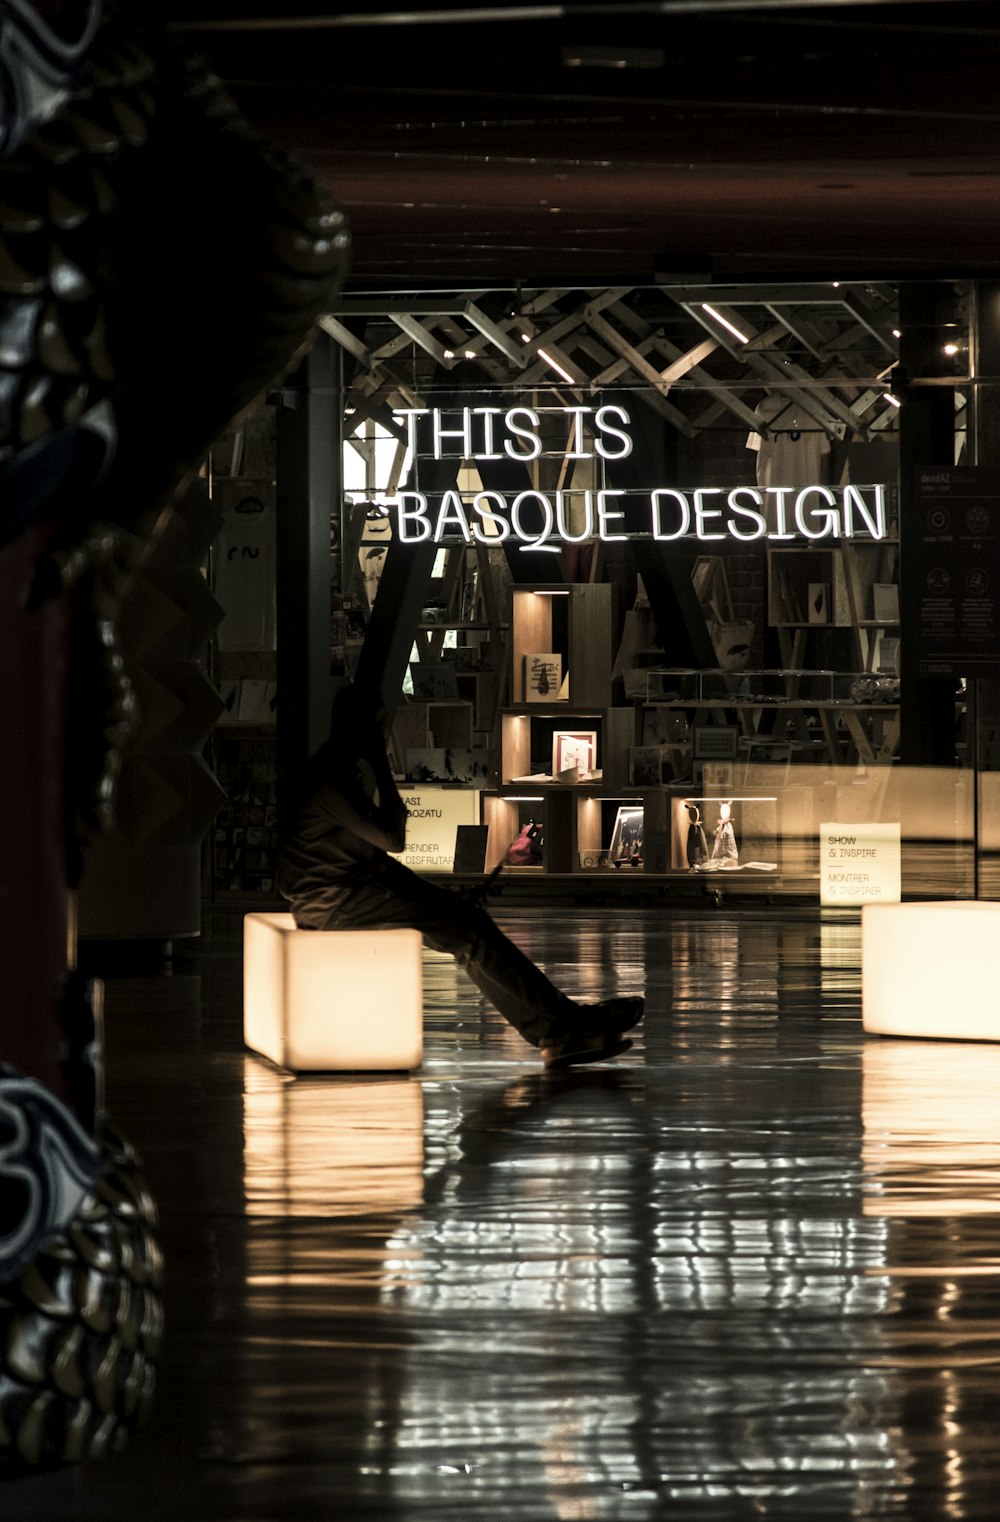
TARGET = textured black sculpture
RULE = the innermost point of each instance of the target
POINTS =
(160, 265)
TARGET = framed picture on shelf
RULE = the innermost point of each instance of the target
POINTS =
(885, 601)
(574, 750)
(819, 602)
(716, 742)
(626, 838)
(254, 704)
(542, 677)
(434, 682)
(888, 655)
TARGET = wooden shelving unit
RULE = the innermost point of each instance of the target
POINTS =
(848, 574)
(575, 623)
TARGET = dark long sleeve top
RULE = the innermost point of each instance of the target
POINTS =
(350, 814)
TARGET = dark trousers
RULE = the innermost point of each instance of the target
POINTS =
(387, 895)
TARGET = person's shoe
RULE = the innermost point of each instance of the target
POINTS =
(572, 1051)
(610, 1016)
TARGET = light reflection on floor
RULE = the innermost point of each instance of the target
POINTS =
(746, 1271)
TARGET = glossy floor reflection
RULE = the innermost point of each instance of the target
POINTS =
(747, 1271)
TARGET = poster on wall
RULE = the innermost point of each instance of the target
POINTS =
(859, 864)
(955, 563)
(243, 566)
(433, 817)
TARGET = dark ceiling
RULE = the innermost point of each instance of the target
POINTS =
(625, 143)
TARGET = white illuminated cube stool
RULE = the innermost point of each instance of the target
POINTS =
(328, 1000)
(930, 970)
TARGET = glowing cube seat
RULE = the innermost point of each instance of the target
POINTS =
(929, 970)
(325, 1000)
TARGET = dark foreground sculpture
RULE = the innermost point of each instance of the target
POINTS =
(160, 265)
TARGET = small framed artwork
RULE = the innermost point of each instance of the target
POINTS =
(574, 750)
(542, 677)
(626, 838)
(888, 656)
(716, 742)
(434, 683)
(713, 743)
(819, 602)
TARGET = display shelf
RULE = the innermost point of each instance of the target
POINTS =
(835, 586)
(507, 814)
(245, 831)
(573, 621)
(480, 689)
(577, 827)
(850, 716)
(433, 723)
(731, 637)
(466, 625)
(529, 750)
(753, 831)
(871, 581)
(634, 829)
(437, 742)
(791, 573)
(560, 752)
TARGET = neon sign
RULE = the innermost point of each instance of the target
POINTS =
(537, 520)
(514, 433)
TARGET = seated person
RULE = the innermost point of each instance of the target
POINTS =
(336, 874)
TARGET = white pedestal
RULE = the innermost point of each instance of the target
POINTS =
(332, 1000)
(930, 970)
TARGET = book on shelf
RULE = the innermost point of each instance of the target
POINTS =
(470, 847)
(543, 677)
(885, 602)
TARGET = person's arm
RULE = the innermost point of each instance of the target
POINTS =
(389, 813)
(343, 793)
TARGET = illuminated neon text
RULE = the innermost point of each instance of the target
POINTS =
(538, 520)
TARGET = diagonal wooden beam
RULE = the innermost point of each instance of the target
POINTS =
(496, 334)
(715, 388)
(347, 340)
(834, 419)
(424, 338)
(643, 368)
(865, 320)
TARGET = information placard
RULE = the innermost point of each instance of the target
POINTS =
(955, 563)
(432, 828)
(859, 863)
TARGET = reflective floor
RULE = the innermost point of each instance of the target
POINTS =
(750, 1270)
